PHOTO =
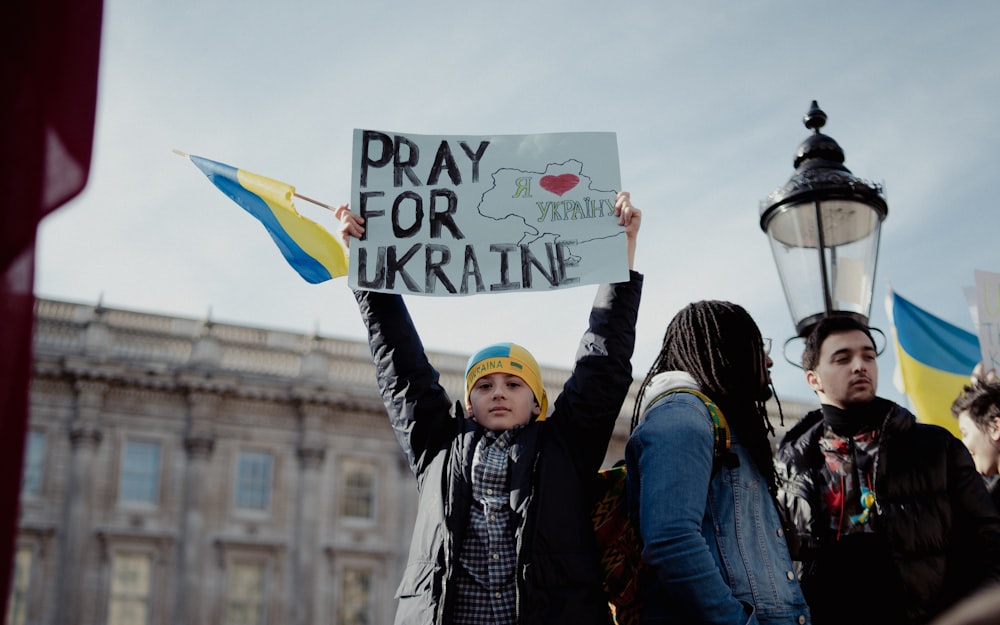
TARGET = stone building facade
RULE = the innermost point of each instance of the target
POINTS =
(182, 471)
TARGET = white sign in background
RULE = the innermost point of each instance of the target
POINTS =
(450, 215)
(988, 318)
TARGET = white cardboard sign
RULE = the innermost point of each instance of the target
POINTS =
(450, 215)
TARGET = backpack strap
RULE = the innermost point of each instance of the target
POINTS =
(722, 436)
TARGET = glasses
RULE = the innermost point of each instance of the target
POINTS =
(767, 347)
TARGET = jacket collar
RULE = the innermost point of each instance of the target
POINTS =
(663, 382)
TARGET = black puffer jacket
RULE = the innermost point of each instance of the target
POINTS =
(552, 477)
(942, 531)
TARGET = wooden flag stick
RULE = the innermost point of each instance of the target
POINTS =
(298, 195)
(307, 199)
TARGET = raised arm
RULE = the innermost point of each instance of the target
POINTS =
(631, 218)
(592, 398)
(418, 406)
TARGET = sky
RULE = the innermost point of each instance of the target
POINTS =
(706, 100)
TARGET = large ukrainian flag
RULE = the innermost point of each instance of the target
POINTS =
(934, 360)
(308, 247)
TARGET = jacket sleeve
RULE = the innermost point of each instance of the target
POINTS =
(592, 397)
(672, 454)
(794, 507)
(418, 406)
(977, 519)
(796, 497)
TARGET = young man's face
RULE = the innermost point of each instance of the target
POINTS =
(847, 373)
(499, 401)
(983, 446)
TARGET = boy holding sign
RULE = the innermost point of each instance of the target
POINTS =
(503, 533)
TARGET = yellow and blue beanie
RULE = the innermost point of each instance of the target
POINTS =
(506, 358)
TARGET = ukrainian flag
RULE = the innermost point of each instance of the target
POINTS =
(307, 246)
(934, 360)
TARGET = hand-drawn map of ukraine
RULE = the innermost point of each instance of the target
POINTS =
(463, 215)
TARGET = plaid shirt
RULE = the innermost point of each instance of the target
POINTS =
(486, 588)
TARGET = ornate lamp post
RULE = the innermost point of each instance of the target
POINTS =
(824, 226)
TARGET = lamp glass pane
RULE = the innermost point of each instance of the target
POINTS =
(844, 221)
(848, 259)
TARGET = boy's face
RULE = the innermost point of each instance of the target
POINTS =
(984, 446)
(847, 372)
(499, 401)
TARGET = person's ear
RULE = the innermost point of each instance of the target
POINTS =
(993, 430)
(537, 410)
(813, 380)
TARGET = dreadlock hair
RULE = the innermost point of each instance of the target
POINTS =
(720, 346)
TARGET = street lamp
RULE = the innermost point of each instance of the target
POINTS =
(823, 225)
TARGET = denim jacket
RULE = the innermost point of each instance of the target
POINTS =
(712, 537)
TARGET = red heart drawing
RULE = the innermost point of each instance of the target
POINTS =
(559, 184)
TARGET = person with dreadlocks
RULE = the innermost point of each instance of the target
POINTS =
(503, 532)
(713, 543)
(888, 513)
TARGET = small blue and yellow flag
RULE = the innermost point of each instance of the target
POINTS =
(308, 247)
(934, 360)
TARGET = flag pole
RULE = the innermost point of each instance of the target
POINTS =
(298, 195)
(317, 203)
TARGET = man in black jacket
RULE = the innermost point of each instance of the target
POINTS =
(891, 520)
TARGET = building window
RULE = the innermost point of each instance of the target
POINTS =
(34, 454)
(359, 490)
(356, 597)
(253, 480)
(245, 595)
(140, 473)
(130, 589)
(17, 603)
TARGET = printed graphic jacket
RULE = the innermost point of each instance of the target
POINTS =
(941, 528)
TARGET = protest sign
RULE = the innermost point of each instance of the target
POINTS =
(988, 317)
(450, 215)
